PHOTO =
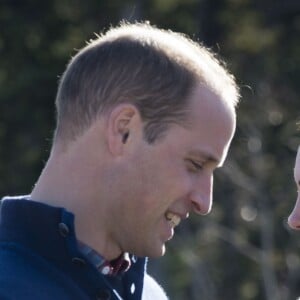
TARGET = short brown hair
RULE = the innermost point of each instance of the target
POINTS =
(153, 69)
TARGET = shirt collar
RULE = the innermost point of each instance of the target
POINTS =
(115, 267)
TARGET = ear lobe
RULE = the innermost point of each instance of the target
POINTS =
(123, 121)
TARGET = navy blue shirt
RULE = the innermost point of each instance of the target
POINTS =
(40, 258)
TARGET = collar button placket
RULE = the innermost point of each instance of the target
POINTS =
(78, 261)
(104, 294)
(63, 229)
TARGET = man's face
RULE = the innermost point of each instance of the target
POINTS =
(294, 218)
(167, 180)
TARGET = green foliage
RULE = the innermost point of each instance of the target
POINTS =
(244, 249)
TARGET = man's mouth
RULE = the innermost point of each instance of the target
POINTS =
(173, 219)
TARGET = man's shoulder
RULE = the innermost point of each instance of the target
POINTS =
(152, 290)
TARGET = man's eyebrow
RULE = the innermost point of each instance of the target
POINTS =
(208, 157)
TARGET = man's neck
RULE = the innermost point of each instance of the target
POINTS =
(56, 188)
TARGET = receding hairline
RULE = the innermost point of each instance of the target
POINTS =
(208, 68)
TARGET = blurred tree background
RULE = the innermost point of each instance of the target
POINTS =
(243, 249)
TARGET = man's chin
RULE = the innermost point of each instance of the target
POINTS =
(158, 252)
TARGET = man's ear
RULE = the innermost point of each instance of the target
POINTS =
(123, 124)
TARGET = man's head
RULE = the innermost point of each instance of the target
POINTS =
(153, 69)
(145, 116)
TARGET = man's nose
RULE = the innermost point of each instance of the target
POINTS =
(201, 196)
(294, 218)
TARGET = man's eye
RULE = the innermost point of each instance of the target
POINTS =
(195, 166)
